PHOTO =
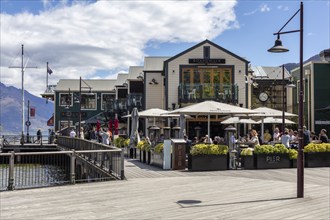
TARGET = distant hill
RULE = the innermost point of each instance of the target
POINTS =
(11, 113)
(291, 66)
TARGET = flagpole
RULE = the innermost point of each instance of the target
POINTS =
(47, 77)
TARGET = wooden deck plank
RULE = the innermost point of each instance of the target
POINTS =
(152, 193)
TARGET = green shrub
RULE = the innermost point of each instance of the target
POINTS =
(212, 149)
(293, 154)
(313, 147)
(126, 142)
(159, 148)
(119, 142)
(144, 145)
(269, 149)
(247, 152)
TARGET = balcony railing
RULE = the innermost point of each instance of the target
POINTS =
(135, 100)
(190, 93)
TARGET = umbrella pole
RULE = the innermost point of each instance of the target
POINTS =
(128, 119)
(262, 130)
(208, 127)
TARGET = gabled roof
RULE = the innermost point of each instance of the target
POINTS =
(95, 84)
(207, 42)
(154, 63)
(121, 78)
(269, 72)
(134, 71)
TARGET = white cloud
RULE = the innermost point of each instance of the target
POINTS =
(282, 8)
(80, 39)
(264, 8)
(261, 8)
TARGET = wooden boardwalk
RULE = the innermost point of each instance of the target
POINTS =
(151, 193)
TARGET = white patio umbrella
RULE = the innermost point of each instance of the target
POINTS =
(135, 126)
(269, 112)
(212, 108)
(237, 120)
(271, 120)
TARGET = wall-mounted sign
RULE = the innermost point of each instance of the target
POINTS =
(211, 61)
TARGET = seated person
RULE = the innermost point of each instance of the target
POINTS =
(267, 136)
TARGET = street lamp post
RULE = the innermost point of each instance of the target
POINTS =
(283, 101)
(278, 48)
(90, 91)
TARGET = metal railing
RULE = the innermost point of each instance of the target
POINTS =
(93, 152)
(86, 161)
(193, 92)
(31, 139)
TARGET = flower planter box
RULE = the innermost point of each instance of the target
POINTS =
(294, 163)
(144, 156)
(148, 157)
(131, 152)
(317, 159)
(138, 154)
(208, 162)
(271, 161)
(157, 159)
(247, 162)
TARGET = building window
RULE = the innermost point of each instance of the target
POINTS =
(108, 100)
(206, 52)
(207, 82)
(65, 99)
(88, 101)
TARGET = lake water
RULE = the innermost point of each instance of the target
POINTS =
(33, 175)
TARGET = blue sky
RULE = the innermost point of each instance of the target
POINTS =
(98, 39)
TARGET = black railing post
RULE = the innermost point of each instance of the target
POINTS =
(122, 171)
(73, 167)
(11, 171)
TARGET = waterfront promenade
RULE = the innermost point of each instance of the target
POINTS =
(151, 193)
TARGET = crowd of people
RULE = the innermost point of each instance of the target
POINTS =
(288, 138)
(101, 135)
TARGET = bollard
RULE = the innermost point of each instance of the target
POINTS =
(72, 167)
(11, 171)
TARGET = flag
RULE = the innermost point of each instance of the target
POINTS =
(49, 70)
(32, 112)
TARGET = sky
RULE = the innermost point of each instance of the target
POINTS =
(99, 39)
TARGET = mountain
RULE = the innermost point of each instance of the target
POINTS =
(11, 111)
(291, 66)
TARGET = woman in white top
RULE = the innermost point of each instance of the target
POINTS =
(276, 135)
(254, 138)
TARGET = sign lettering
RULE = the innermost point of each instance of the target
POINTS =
(209, 61)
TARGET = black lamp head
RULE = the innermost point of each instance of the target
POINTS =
(278, 47)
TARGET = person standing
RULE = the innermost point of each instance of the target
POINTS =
(254, 140)
(72, 134)
(39, 135)
(276, 135)
(285, 139)
(306, 136)
(82, 135)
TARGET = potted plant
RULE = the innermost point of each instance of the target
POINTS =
(270, 157)
(208, 157)
(317, 155)
(293, 154)
(146, 149)
(139, 150)
(119, 142)
(247, 161)
(157, 155)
